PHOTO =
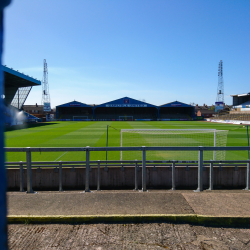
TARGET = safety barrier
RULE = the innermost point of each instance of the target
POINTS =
(201, 163)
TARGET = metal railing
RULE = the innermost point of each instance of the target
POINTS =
(144, 149)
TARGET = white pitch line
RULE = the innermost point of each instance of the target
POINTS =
(61, 156)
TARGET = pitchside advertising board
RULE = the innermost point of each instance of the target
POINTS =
(218, 106)
(46, 107)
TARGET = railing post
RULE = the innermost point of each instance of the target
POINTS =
(60, 177)
(136, 179)
(29, 171)
(87, 171)
(200, 171)
(248, 176)
(98, 176)
(173, 176)
(211, 176)
(144, 171)
(21, 177)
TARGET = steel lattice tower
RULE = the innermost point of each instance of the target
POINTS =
(220, 89)
(45, 84)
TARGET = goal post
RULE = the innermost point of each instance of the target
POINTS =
(80, 118)
(173, 138)
(127, 117)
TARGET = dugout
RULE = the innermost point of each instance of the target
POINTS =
(74, 111)
(176, 111)
(125, 109)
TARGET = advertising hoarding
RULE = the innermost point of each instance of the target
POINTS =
(46, 107)
(219, 106)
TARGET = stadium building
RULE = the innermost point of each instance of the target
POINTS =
(239, 113)
(241, 101)
(176, 111)
(17, 87)
(125, 109)
(74, 111)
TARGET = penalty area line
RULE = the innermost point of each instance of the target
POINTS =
(60, 156)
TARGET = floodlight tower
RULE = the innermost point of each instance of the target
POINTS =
(220, 89)
(45, 88)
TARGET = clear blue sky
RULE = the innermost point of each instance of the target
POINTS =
(157, 50)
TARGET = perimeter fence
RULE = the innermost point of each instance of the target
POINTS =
(137, 164)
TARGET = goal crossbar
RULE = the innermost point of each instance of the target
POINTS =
(126, 117)
(80, 117)
(171, 137)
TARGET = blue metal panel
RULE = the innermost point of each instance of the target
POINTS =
(16, 73)
(74, 104)
(126, 102)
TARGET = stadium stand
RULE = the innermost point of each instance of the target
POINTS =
(69, 110)
(176, 111)
(126, 113)
(125, 109)
(242, 99)
(17, 88)
(239, 116)
(240, 111)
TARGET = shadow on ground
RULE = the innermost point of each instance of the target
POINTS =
(29, 125)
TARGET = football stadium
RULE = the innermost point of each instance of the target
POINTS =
(142, 148)
(125, 122)
(120, 133)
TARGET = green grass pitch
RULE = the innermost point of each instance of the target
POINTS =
(93, 134)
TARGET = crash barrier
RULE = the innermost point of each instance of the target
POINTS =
(143, 164)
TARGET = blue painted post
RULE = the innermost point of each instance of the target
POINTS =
(136, 181)
(87, 171)
(211, 177)
(248, 176)
(173, 176)
(144, 170)
(200, 171)
(21, 177)
(29, 172)
(60, 177)
(98, 177)
(3, 183)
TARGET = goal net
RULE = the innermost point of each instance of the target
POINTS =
(126, 118)
(173, 138)
(80, 118)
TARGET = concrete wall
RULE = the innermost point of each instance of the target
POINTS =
(124, 178)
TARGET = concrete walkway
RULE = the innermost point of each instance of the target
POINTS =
(217, 207)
